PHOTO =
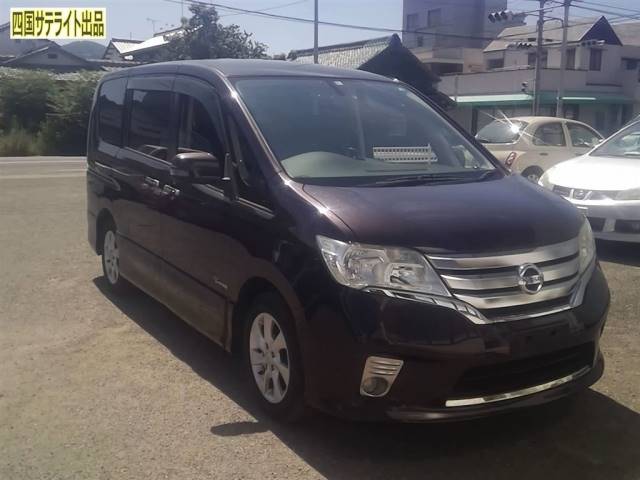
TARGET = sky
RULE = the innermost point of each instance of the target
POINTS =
(132, 18)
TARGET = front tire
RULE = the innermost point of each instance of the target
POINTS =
(111, 261)
(273, 360)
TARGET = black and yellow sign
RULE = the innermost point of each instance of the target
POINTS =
(55, 23)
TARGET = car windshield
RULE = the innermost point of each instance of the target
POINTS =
(501, 131)
(355, 132)
(626, 143)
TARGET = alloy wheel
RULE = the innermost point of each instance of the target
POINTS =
(269, 356)
(111, 256)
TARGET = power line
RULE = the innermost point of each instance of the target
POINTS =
(336, 24)
(275, 7)
(608, 6)
(608, 12)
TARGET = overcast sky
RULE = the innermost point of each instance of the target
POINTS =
(129, 18)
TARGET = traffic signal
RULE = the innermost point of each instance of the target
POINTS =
(501, 16)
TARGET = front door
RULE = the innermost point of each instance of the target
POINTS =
(197, 249)
(549, 146)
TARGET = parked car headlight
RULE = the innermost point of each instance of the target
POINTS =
(545, 182)
(587, 246)
(360, 266)
(631, 194)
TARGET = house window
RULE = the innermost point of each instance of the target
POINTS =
(412, 21)
(630, 63)
(531, 59)
(595, 59)
(420, 40)
(434, 17)
(494, 63)
(570, 62)
(52, 56)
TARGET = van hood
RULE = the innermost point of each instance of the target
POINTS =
(501, 215)
(597, 173)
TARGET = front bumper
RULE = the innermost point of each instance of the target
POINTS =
(447, 357)
(610, 219)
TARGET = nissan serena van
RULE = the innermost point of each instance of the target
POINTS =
(361, 252)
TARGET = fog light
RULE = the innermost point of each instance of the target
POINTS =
(375, 386)
(378, 376)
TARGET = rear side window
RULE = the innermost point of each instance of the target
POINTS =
(549, 135)
(110, 108)
(149, 130)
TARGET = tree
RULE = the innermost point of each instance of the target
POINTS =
(205, 37)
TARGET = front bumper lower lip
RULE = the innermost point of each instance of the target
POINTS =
(499, 397)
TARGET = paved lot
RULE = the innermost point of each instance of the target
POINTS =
(98, 387)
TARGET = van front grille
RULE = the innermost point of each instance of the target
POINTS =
(491, 283)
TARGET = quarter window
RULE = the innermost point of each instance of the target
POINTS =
(110, 108)
(149, 128)
(549, 135)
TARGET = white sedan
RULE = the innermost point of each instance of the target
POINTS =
(532, 145)
(605, 185)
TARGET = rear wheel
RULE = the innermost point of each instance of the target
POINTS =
(111, 260)
(532, 174)
(273, 358)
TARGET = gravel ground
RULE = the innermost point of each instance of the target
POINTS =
(99, 387)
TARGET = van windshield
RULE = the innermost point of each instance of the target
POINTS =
(355, 132)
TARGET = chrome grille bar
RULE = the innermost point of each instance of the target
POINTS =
(489, 282)
(508, 279)
(477, 262)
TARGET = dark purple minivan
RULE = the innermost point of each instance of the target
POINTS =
(362, 253)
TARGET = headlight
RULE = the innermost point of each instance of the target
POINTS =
(632, 194)
(545, 182)
(587, 246)
(359, 266)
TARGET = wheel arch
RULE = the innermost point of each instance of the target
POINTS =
(250, 290)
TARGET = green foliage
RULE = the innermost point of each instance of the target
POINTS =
(64, 131)
(23, 98)
(43, 113)
(205, 37)
(18, 142)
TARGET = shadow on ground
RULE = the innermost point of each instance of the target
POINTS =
(587, 437)
(619, 252)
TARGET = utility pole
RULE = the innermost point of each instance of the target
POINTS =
(563, 60)
(536, 86)
(315, 32)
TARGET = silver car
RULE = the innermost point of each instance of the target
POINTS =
(605, 185)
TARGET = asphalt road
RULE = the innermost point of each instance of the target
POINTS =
(98, 387)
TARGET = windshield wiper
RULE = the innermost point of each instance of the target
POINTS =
(423, 179)
(632, 154)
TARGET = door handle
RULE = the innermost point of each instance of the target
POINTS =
(544, 154)
(170, 191)
(152, 182)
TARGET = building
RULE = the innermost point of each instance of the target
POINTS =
(601, 79)
(11, 48)
(450, 35)
(117, 48)
(385, 56)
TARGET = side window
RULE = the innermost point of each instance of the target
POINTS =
(249, 180)
(549, 135)
(582, 136)
(110, 109)
(149, 126)
(196, 131)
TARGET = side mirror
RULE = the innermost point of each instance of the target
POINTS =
(197, 167)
